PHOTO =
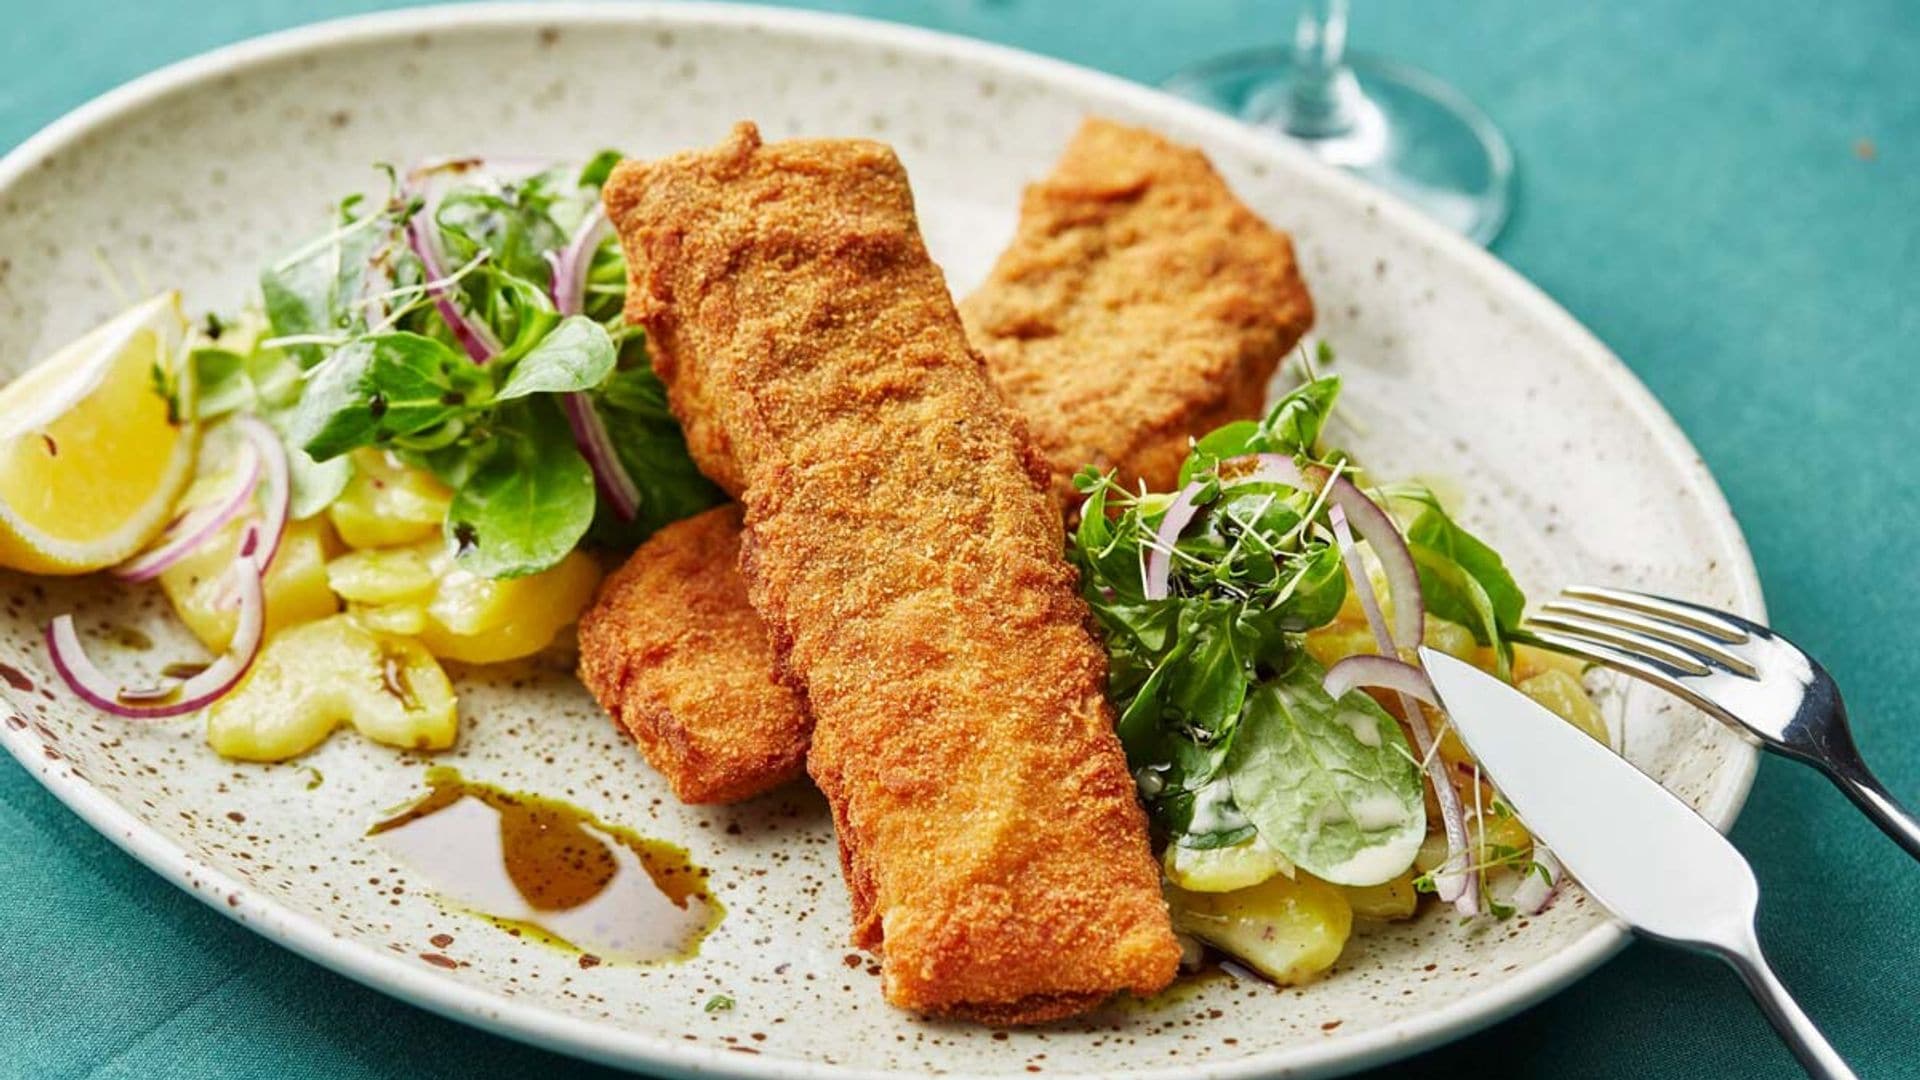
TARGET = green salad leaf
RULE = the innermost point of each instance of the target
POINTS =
(1329, 784)
(1221, 712)
(1461, 578)
(595, 172)
(321, 290)
(1292, 426)
(514, 222)
(221, 381)
(315, 484)
(575, 355)
(1205, 816)
(378, 388)
(528, 499)
(649, 443)
(358, 354)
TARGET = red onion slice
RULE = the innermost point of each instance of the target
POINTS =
(278, 499)
(473, 336)
(1160, 559)
(190, 530)
(569, 290)
(93, 686)
(596, 445)
(1453, 882)
(1362, 583)
(1535, 894)
(1382, 672)
(571, 263)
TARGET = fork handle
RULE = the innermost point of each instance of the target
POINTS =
(1874, 800)
(1796, 1028)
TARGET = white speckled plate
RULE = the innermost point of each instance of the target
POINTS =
(1456, 367)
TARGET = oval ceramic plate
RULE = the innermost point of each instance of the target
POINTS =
(1456, 368)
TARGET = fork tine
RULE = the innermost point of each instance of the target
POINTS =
(1707, 646)
(1652, 671)
(1705, 620)
(1594, 632)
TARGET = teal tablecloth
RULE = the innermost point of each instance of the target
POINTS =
(1729, 195)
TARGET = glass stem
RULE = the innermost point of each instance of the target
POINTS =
(1323, 97)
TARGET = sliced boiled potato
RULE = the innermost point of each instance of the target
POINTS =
(419, 590)
(1563, 696)
(1223, 869)
(1453, 751)
(1334, 642)
(312, 678)
(486, 620)
(405, 619)
(388, 503)
(1453, 639)
(384, 575)
(1529, 661)
(1496, 837)
(1289, 929)
(1395, 899)
(296, 583)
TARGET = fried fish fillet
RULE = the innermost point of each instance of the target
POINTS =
(1139, 304)
(689, 646)
(903, 551)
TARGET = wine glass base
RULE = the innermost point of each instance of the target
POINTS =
(1409, 133)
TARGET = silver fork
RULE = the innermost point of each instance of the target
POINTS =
(1735, 669)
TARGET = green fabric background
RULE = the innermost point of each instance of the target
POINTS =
(1728, 194)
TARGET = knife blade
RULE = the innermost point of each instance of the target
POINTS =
(1637, 849)
(1633, 845)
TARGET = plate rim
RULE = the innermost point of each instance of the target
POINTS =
(592, 1040)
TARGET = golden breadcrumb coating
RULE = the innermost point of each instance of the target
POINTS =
(1062, 258)
(907, 560)
(1140, 304)
(672, 638)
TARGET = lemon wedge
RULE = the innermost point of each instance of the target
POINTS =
(90, 459)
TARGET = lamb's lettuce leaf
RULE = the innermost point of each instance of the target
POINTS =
(1329, 784)
(1461, 578)
(528, 499)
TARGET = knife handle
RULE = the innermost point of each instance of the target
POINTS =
(1795, 1027)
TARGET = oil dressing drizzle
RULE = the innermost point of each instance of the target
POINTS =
(550, 871)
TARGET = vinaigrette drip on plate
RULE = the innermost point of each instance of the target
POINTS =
(547, 870)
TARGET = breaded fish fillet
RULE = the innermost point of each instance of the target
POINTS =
(1212, 303)
(907, 561)
(689, 645)
(1140, 304)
